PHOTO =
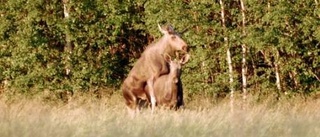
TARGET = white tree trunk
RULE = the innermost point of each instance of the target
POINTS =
(65, 9)
(244, 52)
(293, 76)
(277, 70)
(67, 48)
(278, 82)
(315, 75)
(276, 63)
(229, 60)
(244, 71)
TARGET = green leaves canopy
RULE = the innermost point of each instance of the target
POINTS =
(106, 38)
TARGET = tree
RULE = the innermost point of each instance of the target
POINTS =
(82, 45)
(228, 55)
(244, 53)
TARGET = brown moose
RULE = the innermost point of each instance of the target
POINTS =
(167, 87)
(149, 67)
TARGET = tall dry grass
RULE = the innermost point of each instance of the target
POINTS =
(87, 117)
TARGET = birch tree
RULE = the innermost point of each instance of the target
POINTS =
(244, 52)
(277, 71)
(229, 60)
(67, 48)
(276, 57)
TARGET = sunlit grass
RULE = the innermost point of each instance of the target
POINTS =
(87, 117)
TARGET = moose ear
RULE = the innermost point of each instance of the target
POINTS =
(167, 57)
(170, 29)
(185, 59)
(166, 30)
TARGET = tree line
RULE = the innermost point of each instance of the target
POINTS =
(251, 47)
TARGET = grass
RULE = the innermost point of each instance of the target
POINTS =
(87, 117)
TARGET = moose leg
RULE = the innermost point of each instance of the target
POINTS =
(151, 93)
(179, 97)
(174, 100)
(131, 102)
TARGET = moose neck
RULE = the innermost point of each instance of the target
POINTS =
(169, 84)
(165, 46)
(173, 74)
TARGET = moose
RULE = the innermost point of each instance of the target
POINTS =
(168, 88)
(149, 67)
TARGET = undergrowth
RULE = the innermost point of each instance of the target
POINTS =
(87, 115)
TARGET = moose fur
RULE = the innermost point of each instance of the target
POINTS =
(168, 88)
(149, 67)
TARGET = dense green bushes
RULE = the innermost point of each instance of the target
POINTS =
(100, 40)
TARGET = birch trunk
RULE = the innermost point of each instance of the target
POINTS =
(293, 76)
(67, 48)
(229, 60)
(276, 69)
(244, 54)
(276, 63)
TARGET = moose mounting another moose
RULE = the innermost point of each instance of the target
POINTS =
(153, 63)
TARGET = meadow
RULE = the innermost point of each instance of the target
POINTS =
(87, 116)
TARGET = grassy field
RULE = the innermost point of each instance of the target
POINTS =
(85, 117)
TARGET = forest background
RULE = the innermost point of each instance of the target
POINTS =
(257, 48)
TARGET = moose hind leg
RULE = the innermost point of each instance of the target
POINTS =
(151, 93)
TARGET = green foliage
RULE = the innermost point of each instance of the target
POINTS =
(35, 37)
(100, 41)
